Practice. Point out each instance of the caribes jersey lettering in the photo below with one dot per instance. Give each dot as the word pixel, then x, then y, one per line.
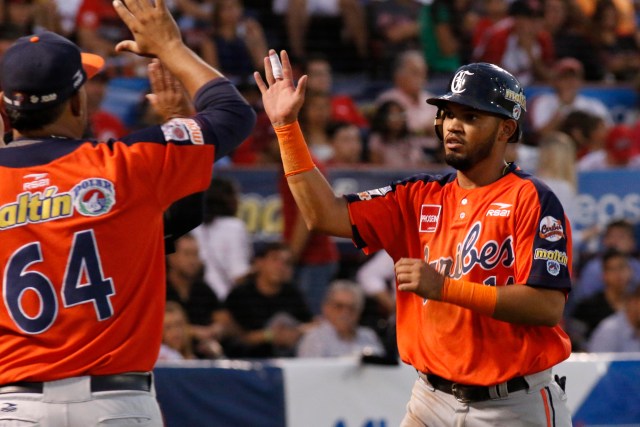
pixel 512 232
pixel 489 256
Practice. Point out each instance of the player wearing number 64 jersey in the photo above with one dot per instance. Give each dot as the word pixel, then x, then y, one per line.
pixel 81 225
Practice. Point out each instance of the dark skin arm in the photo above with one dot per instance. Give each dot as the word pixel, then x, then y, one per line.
pixel 516 303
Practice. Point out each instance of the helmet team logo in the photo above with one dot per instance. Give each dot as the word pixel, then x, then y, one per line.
pixel 517 111
pixel 551 229
pixel 457 84
pixel 94 196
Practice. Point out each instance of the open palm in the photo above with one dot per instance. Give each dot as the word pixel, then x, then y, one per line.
pixel 282 100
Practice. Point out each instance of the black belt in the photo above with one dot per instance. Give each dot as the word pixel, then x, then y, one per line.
pixel 473 393
pixel 131 381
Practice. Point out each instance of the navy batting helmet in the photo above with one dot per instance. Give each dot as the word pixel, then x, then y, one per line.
pixel 484 87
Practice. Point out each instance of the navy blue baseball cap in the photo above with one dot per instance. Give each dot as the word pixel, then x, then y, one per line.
pixel 44 70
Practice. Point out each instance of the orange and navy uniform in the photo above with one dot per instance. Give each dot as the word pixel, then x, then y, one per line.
pixel 512 232
pixel 82 254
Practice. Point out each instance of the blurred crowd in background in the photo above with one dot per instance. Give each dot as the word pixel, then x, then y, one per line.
pixel 371 66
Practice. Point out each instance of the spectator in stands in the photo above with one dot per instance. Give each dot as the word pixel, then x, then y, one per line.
pixel 409 80
pixel 587 131
pixel 346 141
pixel 626 24
pixel 568 27
pixel 262 11
pixel 446 30
pixel 520 44
pixel 619 52
pixel 298 15
pixel 266 315
pixel 314 255
pixel 176 336
pixel 315 117
pixel 377 278
pixel 394 28
pixel 225 246
pixel 557 168
pixel 320 79
pixel 99 28
pixel 19 16
pixel 619 332
pixel 194 20
pixel 390 142
pixel 619 148
pixel 618 235
pixel 261 147
pixel 186 287
pixel 240 44
pixel 338 333
pixel 103 124
pixel 66 12
pixel 548 110
pixel 491 12
pixel 588 313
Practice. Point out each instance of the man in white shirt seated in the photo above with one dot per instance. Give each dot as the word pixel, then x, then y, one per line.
pixel 338 333
pixel 619 332
pixel 548 110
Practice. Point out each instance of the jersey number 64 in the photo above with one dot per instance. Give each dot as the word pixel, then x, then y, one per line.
pixel 83 262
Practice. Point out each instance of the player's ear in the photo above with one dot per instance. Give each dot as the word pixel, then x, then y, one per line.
pixel 509 127
pixel 76 104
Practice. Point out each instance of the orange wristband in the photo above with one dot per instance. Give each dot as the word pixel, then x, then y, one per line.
pixel 474 296
pixel 293 149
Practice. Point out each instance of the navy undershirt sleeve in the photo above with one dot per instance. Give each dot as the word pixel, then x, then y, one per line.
pixel 224 113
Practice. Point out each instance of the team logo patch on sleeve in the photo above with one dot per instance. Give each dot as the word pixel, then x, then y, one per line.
pixel 182 130
pixel 429 218
pixel 94 196
pixel 551 229
pixel 368 195
pixel 553 268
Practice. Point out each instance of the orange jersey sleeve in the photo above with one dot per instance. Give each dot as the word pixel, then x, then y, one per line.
pixel 510 233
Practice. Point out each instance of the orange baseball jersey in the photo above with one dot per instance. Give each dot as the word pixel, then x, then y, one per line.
pixel 82 254
pixel 511 232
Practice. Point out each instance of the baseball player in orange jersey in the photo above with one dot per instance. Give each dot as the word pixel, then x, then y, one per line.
pixel 481 255
pixel 81 224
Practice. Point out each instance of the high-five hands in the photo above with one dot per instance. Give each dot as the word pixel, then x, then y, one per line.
pixel 153 28
pixel 168 98
pixel 282 100
pixel 415 275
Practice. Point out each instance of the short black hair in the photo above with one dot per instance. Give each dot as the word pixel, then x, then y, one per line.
pixel 221 199
pixel 621 224
pixel 335 126
pixel 36 119
pixel 613 253
pixel 265 249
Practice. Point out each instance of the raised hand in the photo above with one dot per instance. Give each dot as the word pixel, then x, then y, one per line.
pixel 168 98
pixel 282 100
pixel 153 28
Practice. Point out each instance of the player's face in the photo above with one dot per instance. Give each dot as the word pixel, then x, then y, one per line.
pixel 469 136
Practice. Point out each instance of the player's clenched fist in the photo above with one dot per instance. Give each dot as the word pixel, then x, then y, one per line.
pixel 414 275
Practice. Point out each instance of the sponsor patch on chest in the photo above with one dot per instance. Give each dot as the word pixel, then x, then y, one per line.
pixel 429 218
